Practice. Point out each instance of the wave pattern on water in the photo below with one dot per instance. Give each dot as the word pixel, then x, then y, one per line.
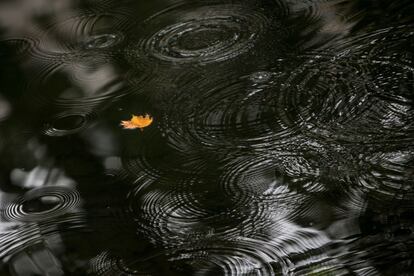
pixel 282 140
pixel 42 204
pixel 199 35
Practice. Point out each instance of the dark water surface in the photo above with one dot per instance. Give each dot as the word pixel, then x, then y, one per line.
pixel 282 140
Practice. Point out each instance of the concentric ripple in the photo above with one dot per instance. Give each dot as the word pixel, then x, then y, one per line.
pixel 84 32
pixel 43 203
pixel 76 83
pixel 389 175
pixel 15 49
pixel 258 256
pixel 206 34
pixel 243 257
pixel 261 180
pixel 383 63
pixel 267 109
pixel 232 112
pixel 245 201
pixel 182 211
pixel 105 264
pixel 220 234
pixel 67 123
pixel 13 240
pixel 349 96
pixel 74 62
pixel 102 41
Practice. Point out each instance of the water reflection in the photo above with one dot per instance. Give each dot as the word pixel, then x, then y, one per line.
pixel 281 138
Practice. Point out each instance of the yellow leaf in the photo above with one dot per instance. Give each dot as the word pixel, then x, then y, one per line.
pixel 137 122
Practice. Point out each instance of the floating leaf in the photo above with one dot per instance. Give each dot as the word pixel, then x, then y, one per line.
pixel 137 121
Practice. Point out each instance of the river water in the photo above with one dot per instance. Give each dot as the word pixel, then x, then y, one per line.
pixel 270 137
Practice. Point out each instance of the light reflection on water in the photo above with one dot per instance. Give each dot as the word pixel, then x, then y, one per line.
pixel 281 140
